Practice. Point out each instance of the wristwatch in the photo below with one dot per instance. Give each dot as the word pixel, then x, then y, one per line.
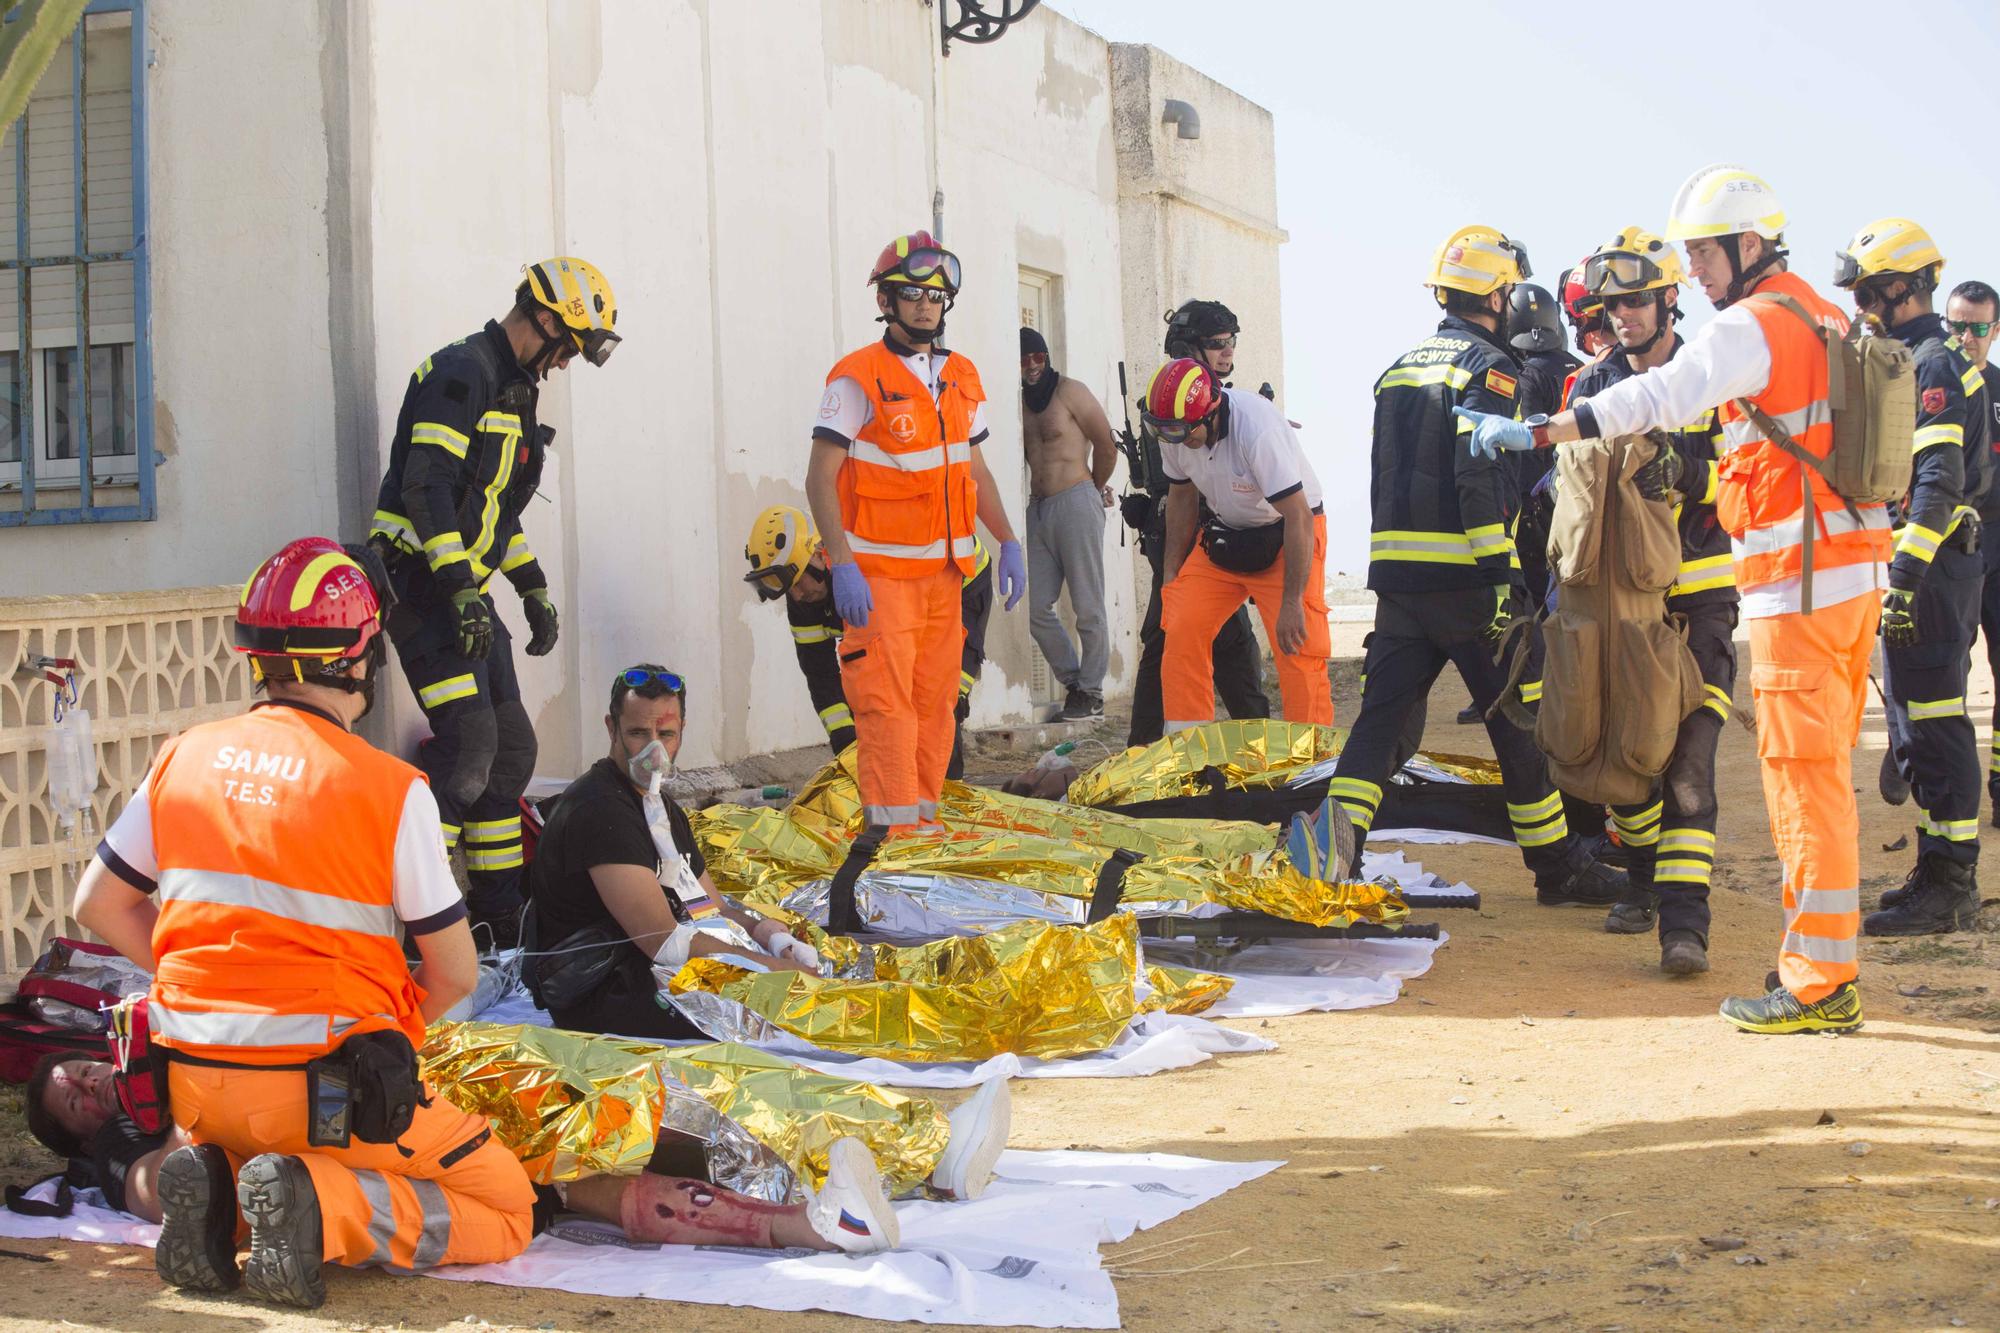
pixel 1539 425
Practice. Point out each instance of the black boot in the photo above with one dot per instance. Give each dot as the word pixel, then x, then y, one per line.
pixel 1635 913
pixel 1580 880
pixel 1898 896
pixel 1682 954
pixel 1470 716
pixel 197 1245
pixel 1941 897
pixel 282 1207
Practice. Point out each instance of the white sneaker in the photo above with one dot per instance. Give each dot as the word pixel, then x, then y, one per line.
pixel 851 1211
pixel 979 1128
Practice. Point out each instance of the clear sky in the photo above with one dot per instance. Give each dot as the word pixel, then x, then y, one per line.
pixel 1559 123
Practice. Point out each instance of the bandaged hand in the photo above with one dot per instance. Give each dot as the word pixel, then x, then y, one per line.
pixel 784 944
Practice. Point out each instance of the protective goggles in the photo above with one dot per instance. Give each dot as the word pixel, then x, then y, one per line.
pixel 935 295
pixel 597 345
pixel 1621 271
pixel 1978 328
pixel 637 678
pixel 1846 269
pixel 772 582
pixel 1171 432
pixel 924 264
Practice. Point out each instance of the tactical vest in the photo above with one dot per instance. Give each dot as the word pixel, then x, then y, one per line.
pixel 1617 678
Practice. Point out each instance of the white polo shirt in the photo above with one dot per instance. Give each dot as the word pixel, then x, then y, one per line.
pixel 844 409
pixel 1242 475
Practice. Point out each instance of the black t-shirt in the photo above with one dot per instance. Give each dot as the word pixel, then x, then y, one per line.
pixel 114 1150
pixel 598 821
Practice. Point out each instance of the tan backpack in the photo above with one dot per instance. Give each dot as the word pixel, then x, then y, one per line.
pixel 1617 676
pixel 1871 385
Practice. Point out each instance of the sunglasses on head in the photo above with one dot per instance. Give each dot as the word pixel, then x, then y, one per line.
pixel 638 677
pixel 931 294
pixel 1978 328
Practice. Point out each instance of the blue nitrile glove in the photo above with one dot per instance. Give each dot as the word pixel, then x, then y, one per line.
pixel 851 596
pixel 1013 573
pixel 1492 432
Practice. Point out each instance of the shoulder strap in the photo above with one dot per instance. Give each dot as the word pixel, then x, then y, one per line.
pixel 1791 303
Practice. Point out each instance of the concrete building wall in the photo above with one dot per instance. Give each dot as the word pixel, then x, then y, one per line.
pixel 734 169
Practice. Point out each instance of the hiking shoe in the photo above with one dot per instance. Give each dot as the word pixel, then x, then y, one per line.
pixel 1322 844
pixel 286 1250
pixel 197 1246
pixel 1470 716
pixel 1890 780
pixel 1627 917
pixel 1783 1012
pixel 1081 705
pixel 979 1126
pixel 851 1210
pixel 1682 954
pixel 1939 897
pixel 1583 881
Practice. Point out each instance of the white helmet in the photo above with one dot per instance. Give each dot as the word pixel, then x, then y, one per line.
pixel 1725 200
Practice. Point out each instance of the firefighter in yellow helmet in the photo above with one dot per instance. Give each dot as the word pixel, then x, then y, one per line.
pixel 466 456
pixel 1930 615
pixel 1443 567
pixel 787 559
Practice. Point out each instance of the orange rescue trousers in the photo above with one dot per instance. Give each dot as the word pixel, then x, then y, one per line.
pixel 900 675
pixel 458 1198
pixel 1203 596
pixel 1810 677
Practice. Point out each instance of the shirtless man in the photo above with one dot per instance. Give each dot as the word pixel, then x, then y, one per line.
pixel 1070 452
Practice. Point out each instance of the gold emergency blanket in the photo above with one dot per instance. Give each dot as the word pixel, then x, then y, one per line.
pixel 1031 989
pixel 571 1104
pixel 1049 852
pixel 1253 754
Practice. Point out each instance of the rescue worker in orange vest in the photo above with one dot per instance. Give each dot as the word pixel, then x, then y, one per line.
pixel 263 874
pixel 895 481
pixel 1809 671
pixel 1892 267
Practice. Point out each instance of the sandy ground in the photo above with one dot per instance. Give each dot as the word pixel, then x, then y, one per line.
pixel 1543 1133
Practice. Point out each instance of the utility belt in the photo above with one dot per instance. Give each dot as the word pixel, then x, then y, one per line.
pixel 368 1088
pixel 1243 550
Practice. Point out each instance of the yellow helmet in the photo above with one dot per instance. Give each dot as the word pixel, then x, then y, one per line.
pixel 581 299
pixel 782 540
pixel 1634 260
pixel 1888 245
pixel 1478 260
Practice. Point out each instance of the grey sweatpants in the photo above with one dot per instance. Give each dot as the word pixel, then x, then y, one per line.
pixel 1066 543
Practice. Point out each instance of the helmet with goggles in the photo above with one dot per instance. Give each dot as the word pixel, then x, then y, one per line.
pixel 916 260
pixel 581 299
pixel 1632 261
pixel 1889 248
pixel 1479 261
pixel 1183 394
pixel 312 611
pixel 782 541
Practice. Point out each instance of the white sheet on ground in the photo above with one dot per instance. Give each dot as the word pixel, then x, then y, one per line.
pixel 1433 835
pixel 1411 875
pixel 1024 1253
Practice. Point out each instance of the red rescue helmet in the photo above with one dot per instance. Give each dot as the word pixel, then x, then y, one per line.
pixel 1583 307
pixel 1182 395
pixel 918 261
pixel 313 602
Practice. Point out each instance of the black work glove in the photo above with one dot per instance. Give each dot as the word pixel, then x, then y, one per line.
pixel 542 624
pixel 475 624
pixel 1899 618
pixel 1661 475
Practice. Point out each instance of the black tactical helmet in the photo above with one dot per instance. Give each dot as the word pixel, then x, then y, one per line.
pixel 1534 321
pixel 1196 320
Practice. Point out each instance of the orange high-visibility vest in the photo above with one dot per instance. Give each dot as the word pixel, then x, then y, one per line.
pixel 275 834
pixel 907 498
pixel 1757 497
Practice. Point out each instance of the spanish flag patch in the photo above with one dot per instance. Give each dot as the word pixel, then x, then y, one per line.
pixel 1500 384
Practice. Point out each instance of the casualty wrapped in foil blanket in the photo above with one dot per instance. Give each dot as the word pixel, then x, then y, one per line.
pixel 1031 989
pixel 1250 754
pixel 571 1104
pixel 1001 858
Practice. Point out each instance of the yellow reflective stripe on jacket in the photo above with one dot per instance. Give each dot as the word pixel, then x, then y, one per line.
pixel 966 680
pixel 1714 475
pixel 1717 703
pixel 444 549
pixel 500 423
pixel 444 437
pixel 1919 541
pixel 1488 540
pixel 835 716
pixel 981 558
pixel 518 553
pixel 1419 377
pixel 812 633
pixel 489 509
pixel 1970 379
pixel 396 528
pixel 1437 548
pixel 1709 572
pixel 1938 432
